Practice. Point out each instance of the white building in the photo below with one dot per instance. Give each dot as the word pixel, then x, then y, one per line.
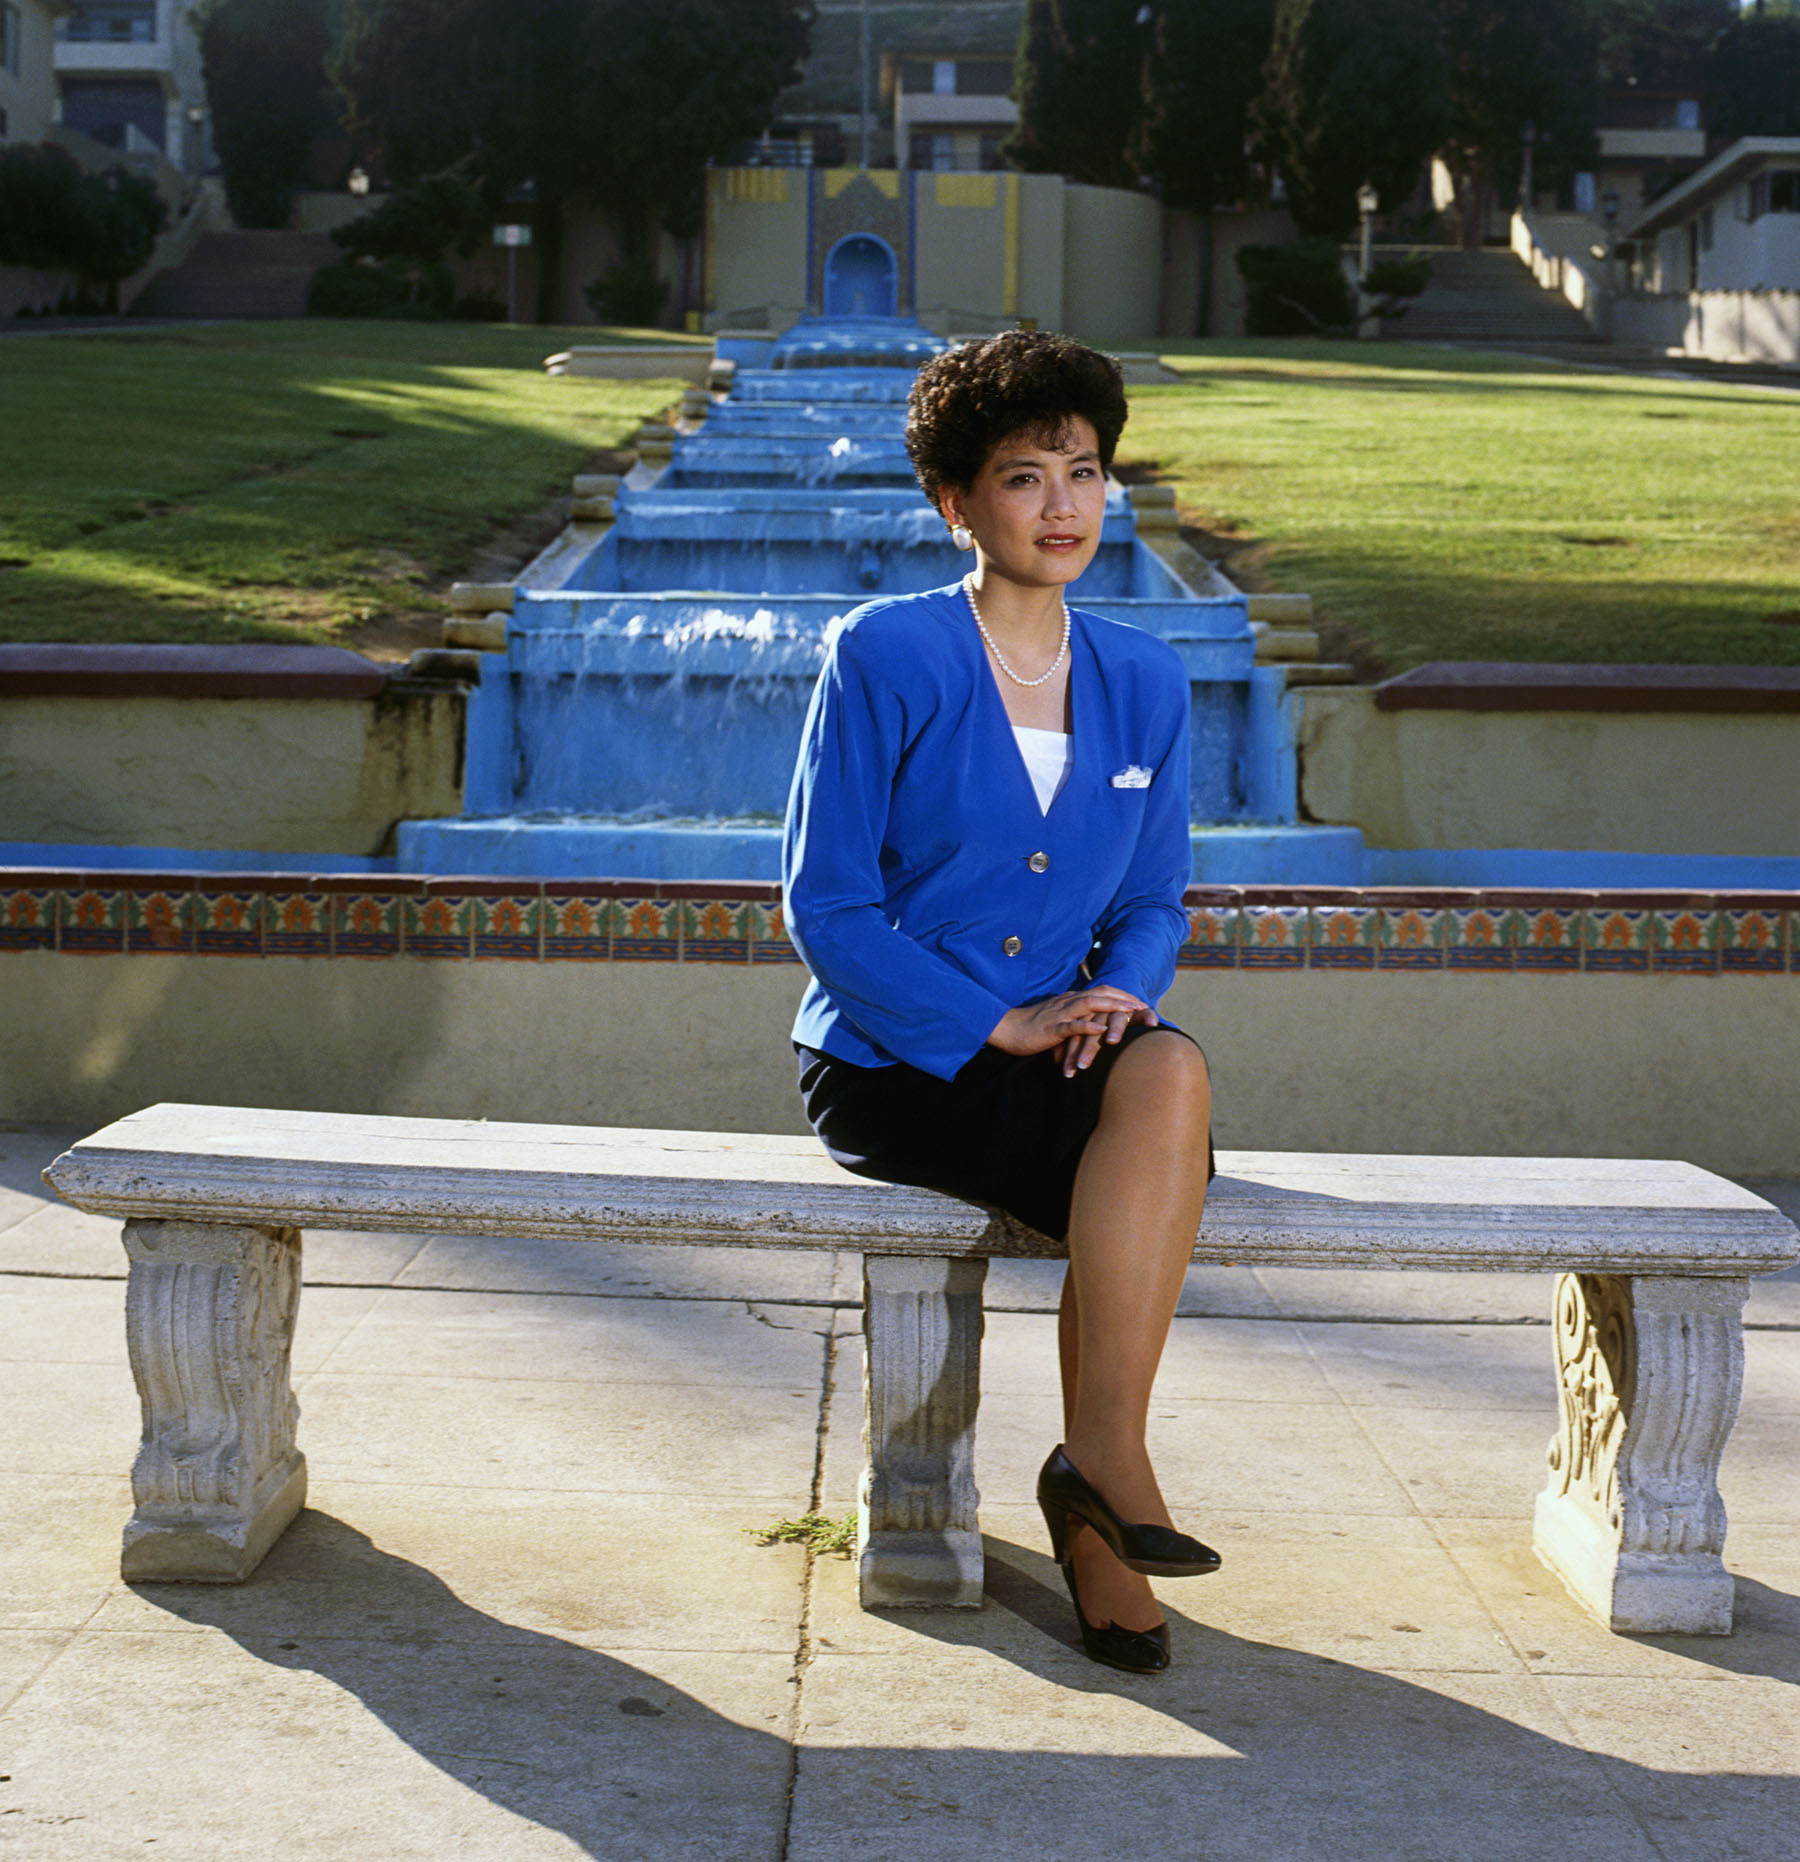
pixel 27 69
pixel 128 76
pixel 1715 262
pixel 1734 225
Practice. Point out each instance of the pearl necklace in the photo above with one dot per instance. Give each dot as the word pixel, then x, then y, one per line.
pixel 993 645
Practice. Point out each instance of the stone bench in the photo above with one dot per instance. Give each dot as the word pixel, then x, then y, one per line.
pixel 1654 1259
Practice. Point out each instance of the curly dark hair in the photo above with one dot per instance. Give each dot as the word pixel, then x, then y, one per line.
pixel 968 399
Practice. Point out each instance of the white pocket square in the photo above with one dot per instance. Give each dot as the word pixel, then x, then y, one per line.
pixel 1133 776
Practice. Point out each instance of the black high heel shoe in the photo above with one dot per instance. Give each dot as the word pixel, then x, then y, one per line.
pixel 1137 1651
pixel 1156 1551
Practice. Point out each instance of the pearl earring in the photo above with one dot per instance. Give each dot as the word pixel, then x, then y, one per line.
pixel 962 536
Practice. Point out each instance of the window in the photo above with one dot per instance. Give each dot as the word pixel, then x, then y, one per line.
pixel 9 42
pixel 1706 230
pixel 984 77
pixel 1687 113
pixel 943 77
pixel 1776 190
pixel 991 140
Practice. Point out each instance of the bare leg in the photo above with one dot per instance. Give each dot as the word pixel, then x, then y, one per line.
pixel 1137 1205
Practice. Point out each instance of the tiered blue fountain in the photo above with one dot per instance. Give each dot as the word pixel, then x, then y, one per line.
pixel 646 722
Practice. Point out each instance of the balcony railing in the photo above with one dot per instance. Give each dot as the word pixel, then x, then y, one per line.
pixel 136 26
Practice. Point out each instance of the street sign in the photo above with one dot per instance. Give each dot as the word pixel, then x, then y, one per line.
pixel 512 235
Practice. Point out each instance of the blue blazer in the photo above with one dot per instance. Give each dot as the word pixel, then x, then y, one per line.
pixel 924 887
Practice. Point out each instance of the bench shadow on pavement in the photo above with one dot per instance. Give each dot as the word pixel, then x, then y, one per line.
pixel 1262 1750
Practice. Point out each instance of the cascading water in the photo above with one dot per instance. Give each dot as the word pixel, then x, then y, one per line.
pixel 644 719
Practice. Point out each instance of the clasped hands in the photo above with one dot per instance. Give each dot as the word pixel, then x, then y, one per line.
pixel 1073 1024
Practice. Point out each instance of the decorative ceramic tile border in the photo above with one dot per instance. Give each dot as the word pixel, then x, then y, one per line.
pixel 379 916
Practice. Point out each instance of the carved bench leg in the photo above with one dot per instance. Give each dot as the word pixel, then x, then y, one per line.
pixel 209 1317
pixel 1650 1370
pixel 918 1542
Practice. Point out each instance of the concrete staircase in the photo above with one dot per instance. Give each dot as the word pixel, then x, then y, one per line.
pixel 240 274
pixel 1487 296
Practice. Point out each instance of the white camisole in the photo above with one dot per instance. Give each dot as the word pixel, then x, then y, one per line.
pixel 1048 756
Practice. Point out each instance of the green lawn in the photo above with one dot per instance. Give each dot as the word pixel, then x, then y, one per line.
pixel 1457 506
pixel 316 480
pixel 325 481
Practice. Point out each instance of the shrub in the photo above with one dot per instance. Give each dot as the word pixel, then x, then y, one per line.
pixel 628 291
pixel 1405 277
pixel 395 264
pixel 356 288
pixel 53 217
pixel 1298 289
pixel 478 307
pixel 419 223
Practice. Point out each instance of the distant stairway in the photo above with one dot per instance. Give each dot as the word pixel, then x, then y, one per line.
pixel 1486 297
pixel 243 274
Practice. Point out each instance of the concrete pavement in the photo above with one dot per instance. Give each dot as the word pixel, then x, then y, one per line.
pixel 521 1617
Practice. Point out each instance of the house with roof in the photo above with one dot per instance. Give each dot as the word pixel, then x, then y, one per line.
pixel 1714 263
pixel 1647 137
pixel 951 111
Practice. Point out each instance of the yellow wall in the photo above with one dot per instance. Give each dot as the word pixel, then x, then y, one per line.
pixel 755 247
pixel 989 248
pixel 961 265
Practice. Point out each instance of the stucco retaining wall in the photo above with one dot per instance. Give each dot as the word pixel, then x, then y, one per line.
pixel 288 775
pixel 1626 781
pixel 1557 1024
pixel 1726 326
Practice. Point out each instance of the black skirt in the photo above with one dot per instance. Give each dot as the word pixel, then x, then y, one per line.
pixel 1007 1131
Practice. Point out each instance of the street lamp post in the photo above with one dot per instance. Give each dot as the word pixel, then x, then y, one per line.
pixel 1528 136
pixel 1367 203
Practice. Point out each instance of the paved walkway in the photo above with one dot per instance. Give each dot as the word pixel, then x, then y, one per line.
pixel 521 1618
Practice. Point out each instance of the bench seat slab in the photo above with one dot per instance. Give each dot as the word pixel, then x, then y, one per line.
pixel 918 1539
pixel 1650 1370
pixel 209 1316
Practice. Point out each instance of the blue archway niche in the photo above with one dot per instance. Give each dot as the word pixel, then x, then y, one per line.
pixel 862 278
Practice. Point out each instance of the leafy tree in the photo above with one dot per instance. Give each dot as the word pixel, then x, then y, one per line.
pixel 1756 74
pixel 621 102
pixel 1355 93
pixel 1203 74
pixel 264 62
pixel 1660 44
pixel 1079 83
pixel 1508 63
pixel 679 84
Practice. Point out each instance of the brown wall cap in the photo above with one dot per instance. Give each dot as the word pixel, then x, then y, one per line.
pixel 1483 685
pixel 54 670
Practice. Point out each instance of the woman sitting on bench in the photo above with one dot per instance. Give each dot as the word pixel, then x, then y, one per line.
pixel 987 846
